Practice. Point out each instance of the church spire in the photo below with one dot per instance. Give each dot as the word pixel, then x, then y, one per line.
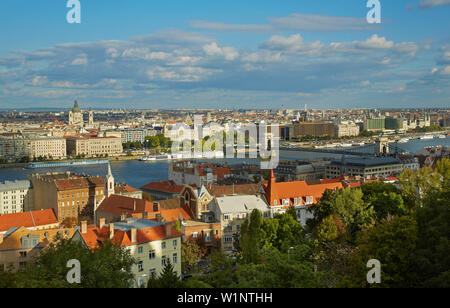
pixel 109 182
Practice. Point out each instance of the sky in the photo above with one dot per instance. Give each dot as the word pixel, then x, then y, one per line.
pixel 248 54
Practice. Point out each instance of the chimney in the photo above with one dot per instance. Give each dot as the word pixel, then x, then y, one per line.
pixel 168 229
pixel 133 235
pixel 102 222
pixel 111 231
pixel 84 227
pixel 159 217
pixel 155 206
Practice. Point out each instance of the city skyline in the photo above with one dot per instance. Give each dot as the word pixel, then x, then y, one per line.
pixel 176 55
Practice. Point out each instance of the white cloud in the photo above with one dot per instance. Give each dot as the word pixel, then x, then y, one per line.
pixel 80 60
pixel 293 22
pixel 446 70
pixel 228 53
pixel 427 4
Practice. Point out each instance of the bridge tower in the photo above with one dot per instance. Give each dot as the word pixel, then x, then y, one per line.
pixel 381 146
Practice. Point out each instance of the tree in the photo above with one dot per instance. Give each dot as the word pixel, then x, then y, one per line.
pixel 392 242
pixel 108 266
pixel 251 237
pixel 167 279
pixel 295 269
pixel 431 258
pixel 348 205
pixel 417 184
pixel 177 226
pixel 223 271
pixel 190 254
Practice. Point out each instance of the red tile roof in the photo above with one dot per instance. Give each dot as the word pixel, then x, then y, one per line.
pixel 118 205
pixel 297 189
pixel 28 219
pixel 95 236
pixel 167 186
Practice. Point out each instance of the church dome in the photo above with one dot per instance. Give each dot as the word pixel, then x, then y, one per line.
pixel 76 108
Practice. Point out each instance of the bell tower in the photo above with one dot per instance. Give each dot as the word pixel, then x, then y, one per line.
pixel 109 183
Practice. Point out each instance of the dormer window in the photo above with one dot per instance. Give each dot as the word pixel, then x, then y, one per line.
pixel 274 202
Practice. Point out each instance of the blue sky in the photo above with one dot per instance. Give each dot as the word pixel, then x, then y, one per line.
pixel 225 54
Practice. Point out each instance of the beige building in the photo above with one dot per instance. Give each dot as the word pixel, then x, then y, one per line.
pixel 14 147
pixel 94 146
pixel 232 211
pixel 346 129
pixel 15 197
pixel 50 147
pixel 21 246
pixel 151 243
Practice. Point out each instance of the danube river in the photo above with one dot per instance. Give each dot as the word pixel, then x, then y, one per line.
pixel 137 173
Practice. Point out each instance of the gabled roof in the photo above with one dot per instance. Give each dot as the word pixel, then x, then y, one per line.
pixel 297 189
pixel 27 219
pixel 118 205
pixel 167 186
pixel 14 240
pixel 238 189
pixel 94 236
pixel 241 204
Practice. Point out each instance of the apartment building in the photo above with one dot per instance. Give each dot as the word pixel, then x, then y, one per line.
pixel 31 148
pixel 346 129
pixel 298 194
pixel 91 146
pixel 15 197
pixel 14 147
pixel 315 129
pixel 365 167
pixel 50 147
pixel 150 242
pixel 20 245
pixel 232 211
pixel 69 195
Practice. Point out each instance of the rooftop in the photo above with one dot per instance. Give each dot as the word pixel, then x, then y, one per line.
pixel 27 219
pixel 368 161
pixel 16 185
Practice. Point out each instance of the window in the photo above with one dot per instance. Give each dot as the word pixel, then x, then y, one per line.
pixel 228 239
pixel 163 245
pixel 208 237
pixel 23 254
pixel 140 249
pixel 194 234
pixel 163 260
pixel 175 242
pixel 152 273
pixel 175 257
pixel 227 217
pixel 140 266
pixel 151 254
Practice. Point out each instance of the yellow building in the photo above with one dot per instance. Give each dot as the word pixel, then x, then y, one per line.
pixel 94 146
pixel 20 246
pixel 151 244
